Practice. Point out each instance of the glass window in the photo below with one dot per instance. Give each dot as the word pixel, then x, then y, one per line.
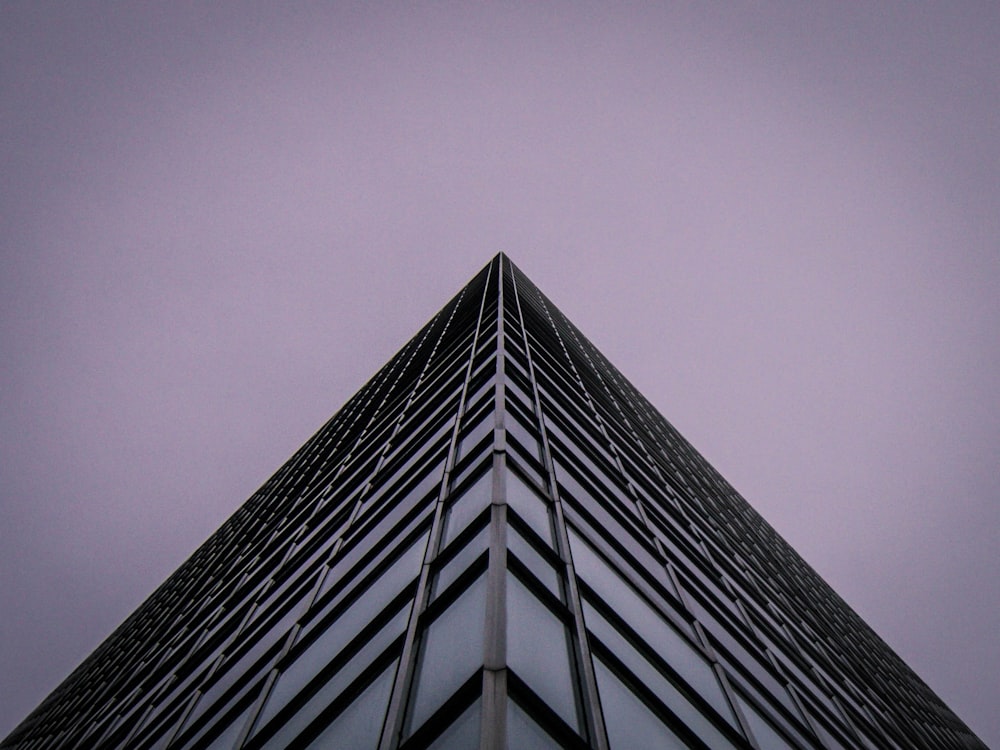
pixel 514 390
pixel 471 437
pixel 358 559
pixel 538 650
pixel 360 724
pixel 227 738
pixel 463 733
pixel 221 696
pixel 452 650
pixel 466 507
pixel 373 506
pixel 522 435
pixel 767 736
pixel 606 512
pixel 375 594
pixel 630 723
pixel 534 561
pixel 644 670
pixel 328 644
pixel 458 564
pixel 660 635
pixel 529 506
pixel 326 693
pixel 523 733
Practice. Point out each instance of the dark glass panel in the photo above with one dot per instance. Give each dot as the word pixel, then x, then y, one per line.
pixel 374 594
pixel 474 435
pixel 227 738
pixel 525 437
pixel 658 634
pixel 322 651
pixel 766 734
pixel 533 560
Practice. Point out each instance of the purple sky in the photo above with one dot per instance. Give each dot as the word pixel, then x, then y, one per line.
pixel 781 223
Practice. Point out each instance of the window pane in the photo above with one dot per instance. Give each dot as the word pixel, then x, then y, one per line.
pixel 376 595
pixel 534 561
pixel 472 437
pixel 461 561
pixel 227 738
pixel 466 507
pixel 325 648
pixel 336 684
pixel 659 634
pixel 521 434
pixel 529 506
pixel 538 650
pixel 630 723
pixel 523 733
pixel 463 734
pixel 656 681
pixel 767 736
pixel 452 650
pixel 360 724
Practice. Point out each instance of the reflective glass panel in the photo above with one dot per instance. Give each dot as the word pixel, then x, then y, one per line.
pixel 523 733
pixel 529 506
pixel 630 723
pixel 461 561
pixel 452 650
pixel 659 634
pixel 538 650
pixel 472 438
pixel 767 736
pixel 467 506
pixel 336 684
pixel 656 681
pixel 227 738
pixel 534 561
pixel 463 734
pixel 375 595
pixel 358 727
pixel 522 435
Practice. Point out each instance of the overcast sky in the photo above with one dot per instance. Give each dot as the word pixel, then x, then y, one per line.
pixel 780 220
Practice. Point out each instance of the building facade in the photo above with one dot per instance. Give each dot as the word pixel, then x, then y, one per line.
pixel 497 542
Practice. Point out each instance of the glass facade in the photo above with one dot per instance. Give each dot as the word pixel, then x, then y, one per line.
pixel 497 542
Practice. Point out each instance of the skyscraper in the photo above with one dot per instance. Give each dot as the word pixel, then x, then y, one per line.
pixel 497 542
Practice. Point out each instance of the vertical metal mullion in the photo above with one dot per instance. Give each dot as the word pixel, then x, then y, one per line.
pixel 592 706
pixel 395 714
pixel 493 727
